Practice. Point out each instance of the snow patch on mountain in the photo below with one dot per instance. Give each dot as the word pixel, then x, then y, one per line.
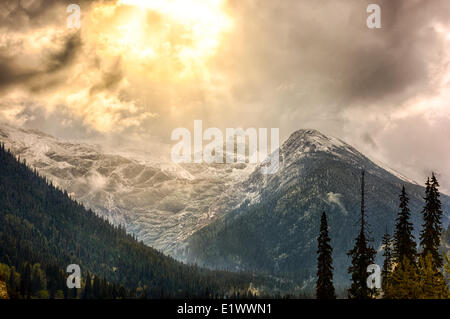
pixel 161 202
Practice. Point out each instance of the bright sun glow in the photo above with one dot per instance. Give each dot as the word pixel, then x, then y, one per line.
pixel 169 40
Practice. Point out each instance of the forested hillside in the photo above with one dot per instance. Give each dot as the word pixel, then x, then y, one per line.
pixel 42 230
pixel 276 228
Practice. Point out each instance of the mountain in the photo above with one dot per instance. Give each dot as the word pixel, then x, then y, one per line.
pixel 159 202
pixel 229 215
pixel 274 226
pixel 42 231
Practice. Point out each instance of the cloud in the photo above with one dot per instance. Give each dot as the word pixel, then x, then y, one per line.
pixel 45 65
pixel 325 51
pixel 335 198
pixel 287 64
pixel 110 78
pixel 12 73
pixel 66 55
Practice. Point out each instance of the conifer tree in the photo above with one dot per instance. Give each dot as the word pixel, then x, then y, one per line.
pixel 404 243
pixel 432 215
pixel 324 285
pixel 88 288
pixel 25 281
pixel 12 279
pixel 96 288
pixel 431 280
pixel 404 282
pixel 387 264
pixel 40 225
pixel 362 256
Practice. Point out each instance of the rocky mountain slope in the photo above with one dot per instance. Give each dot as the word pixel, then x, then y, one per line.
pixel 274 227
pixel 231 216
pixel 159 202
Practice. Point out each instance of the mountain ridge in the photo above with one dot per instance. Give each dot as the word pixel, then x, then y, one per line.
pixel 168 211
pixel 275 226
pixel 161 203
pixel 42 227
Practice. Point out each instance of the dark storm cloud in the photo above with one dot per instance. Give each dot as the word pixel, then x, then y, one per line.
pixel 399 56
pixel 322 51
pixel 65 55
pixel 327 50
pixel 289 64
pixel 23 14
pixel 27 16
pixel 110 78
pixel 12 73
pixel 316 64
pixel 17 13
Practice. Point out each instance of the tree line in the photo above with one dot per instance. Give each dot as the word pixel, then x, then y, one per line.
pixel 408 272
pixel 43 230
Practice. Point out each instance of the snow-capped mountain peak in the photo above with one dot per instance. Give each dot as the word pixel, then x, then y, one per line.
pixel 311 141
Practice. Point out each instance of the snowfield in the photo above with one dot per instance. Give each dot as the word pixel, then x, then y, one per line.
pixel 160 202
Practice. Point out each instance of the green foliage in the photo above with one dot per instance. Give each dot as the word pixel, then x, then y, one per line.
pixel 404 282
pixel 422 281
pixel 4 272
pixel 432 281
pixel 43 294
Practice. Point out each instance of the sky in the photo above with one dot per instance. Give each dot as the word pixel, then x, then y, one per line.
pixel 136 70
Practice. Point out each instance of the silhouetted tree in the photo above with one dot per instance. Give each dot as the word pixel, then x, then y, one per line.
pixel 404 243
pixel 324 285
pixel 432 214
pixel 88 294
pixel 387 264
pixel 362 256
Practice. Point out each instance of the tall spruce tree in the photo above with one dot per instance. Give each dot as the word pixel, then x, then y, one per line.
pixel 387 264
pixel 324 285
pixel 404 243
pixel 362 256
pixel 432 215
